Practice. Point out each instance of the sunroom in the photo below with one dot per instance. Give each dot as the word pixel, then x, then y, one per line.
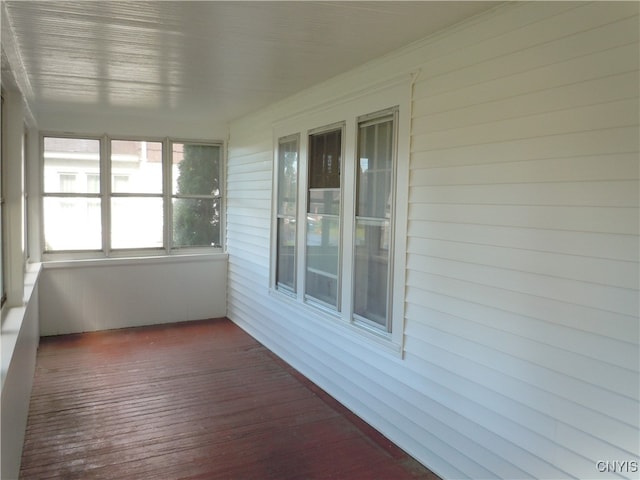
pixel 427 209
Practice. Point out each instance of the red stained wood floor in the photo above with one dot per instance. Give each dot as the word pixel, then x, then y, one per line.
pixel 196 400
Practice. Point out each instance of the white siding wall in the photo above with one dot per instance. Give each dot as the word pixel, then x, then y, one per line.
pixel 521 353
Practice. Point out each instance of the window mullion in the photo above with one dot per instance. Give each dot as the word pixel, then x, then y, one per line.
pixel 348 209
pixel 105 191
pixel 301 215
pixel 167 182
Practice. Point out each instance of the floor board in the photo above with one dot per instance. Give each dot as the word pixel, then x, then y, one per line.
pixel 197 400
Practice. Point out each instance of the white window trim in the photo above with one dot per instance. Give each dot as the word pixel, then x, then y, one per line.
pixel 105 196
pixel 381 97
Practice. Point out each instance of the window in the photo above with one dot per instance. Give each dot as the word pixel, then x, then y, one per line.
pixel 323 218
pixel 71 221
pixel 119 195
pixel 286 211
pixel 137 217
pixel 196 195
pixel 348 268
pixel 373 220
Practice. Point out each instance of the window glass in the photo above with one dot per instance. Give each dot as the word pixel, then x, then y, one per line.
pixel 72 217
pixel 137 216
pixel 136 222
pixel 287 209
pixel 374 170
pixel 195 169
pixel 136 167
pixel 68 159
pixel 373 219
pixel 196 222
pixel 196 193
pixel 323 242
pixel 324 201
pixel 93 182
pixel 371 270
pixel 288 177
pixel 325 151
pixel 323 218
pixel 285 270
pixel 72 223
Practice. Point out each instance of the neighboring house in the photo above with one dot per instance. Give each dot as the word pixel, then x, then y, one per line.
pixel 483 311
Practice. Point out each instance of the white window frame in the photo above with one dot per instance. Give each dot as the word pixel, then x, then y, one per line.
pixel 283 216
pixel 105 195
pixel 3 229
pixel 338 126
pixel 214 196
pixel 107 186
pixel 349 110
pixel 53 254
pixel 375 117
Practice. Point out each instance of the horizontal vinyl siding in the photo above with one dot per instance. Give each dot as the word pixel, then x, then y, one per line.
pixel 521 353
pixel 523 249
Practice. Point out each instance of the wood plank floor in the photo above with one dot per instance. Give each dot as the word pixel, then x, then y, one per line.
pixel 197 400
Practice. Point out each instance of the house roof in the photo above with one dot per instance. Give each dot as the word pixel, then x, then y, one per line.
pixel 199 61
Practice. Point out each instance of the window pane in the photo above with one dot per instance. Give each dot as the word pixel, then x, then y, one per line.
pixel 195 169
pixel 285 273
pixel 325 151
pixel 68 182
pixel 93 183
pixel 371 270
pixel 140 162
pixel 375 169
pixel 287 177
pixel 67 161
pixel 136 222
pixel 325 201
pixel 72 223
pixel 323 240
pixel 196 222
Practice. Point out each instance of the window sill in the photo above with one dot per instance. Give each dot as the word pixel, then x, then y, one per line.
pixel 13 317
pixel 139 260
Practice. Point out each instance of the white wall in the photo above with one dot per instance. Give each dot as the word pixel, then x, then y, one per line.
pixel 82 296
pixel 20 338
pixel 521 351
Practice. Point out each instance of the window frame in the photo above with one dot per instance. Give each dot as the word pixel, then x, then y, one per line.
pixel 219 197
pixel 3 226
pixel 83 253
pixel 292 291
pixel 319 303
pixel 107 177
pixel 375 119
pixel 105 195
pixel 374 100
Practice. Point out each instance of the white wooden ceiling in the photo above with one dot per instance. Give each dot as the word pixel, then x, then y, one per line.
pixel 197 60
